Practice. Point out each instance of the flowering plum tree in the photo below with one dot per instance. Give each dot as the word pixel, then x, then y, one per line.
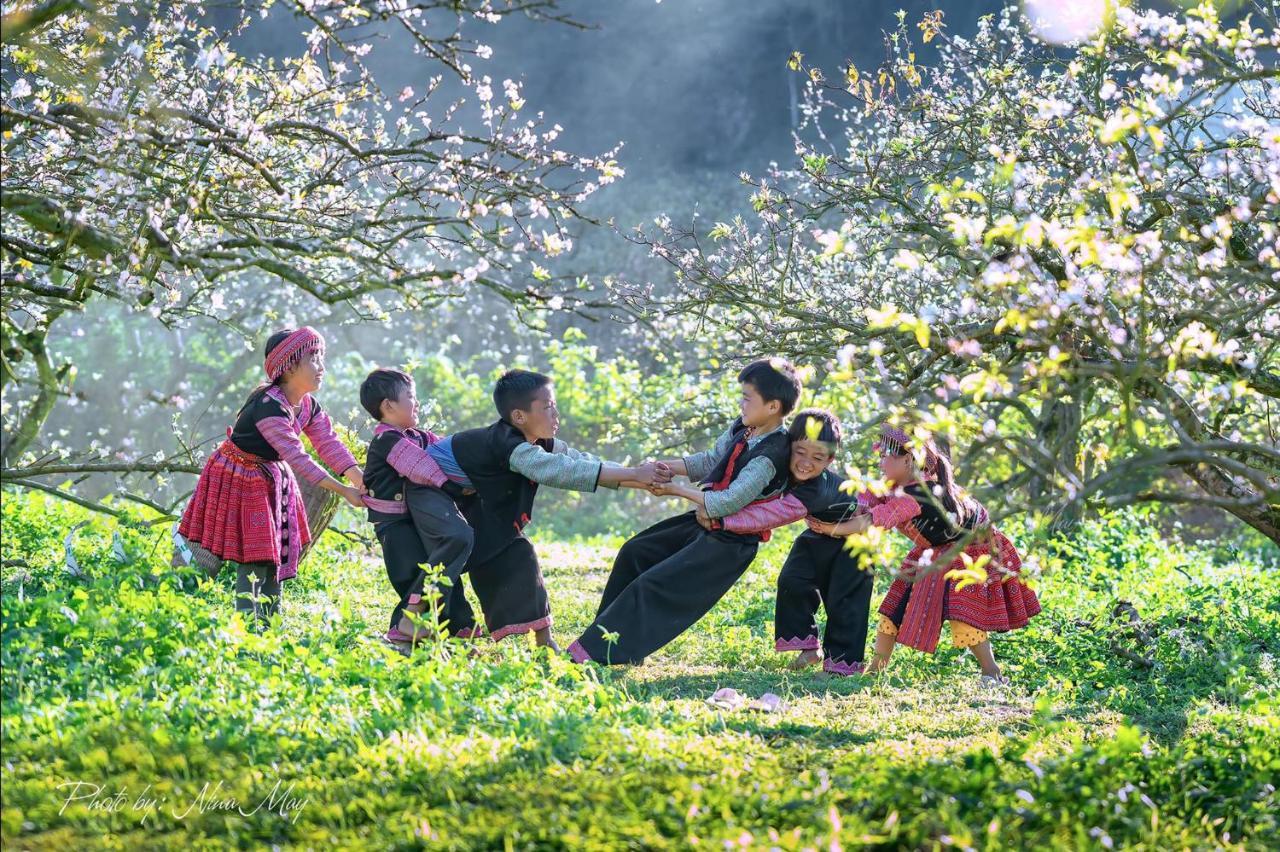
pixel 153 161
pixel 1066 257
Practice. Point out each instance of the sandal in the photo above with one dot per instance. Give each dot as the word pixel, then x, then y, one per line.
pixel 727 698
pixel 768 703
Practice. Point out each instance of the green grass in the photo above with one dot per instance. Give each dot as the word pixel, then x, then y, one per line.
pixel 149 684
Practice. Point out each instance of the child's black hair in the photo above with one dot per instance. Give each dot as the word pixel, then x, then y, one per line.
pixel 775 380
pixel 381 385
pixel 272 342
pixel 829 434
pixel 953 498
pixel 516 389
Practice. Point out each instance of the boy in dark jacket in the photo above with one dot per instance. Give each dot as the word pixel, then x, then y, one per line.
pixel 667 577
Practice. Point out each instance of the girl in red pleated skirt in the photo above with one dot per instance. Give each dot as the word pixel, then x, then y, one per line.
pixel 961 571
pixel 246 508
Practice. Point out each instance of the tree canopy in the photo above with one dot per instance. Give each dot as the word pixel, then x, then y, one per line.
pixel 1069 258
pixel 152 160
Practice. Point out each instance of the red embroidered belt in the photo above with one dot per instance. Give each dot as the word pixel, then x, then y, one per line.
pixel 231 451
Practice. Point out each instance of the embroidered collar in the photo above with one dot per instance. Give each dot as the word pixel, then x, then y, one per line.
pixel 294 411
pixel 384 428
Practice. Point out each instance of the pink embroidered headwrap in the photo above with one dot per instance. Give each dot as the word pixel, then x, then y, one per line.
pixel 301 344
pixel 894 441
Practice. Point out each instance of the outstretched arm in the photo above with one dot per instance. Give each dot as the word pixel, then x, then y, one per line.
pixel 320 432
pixel 748 486
pixel 856 524
pixel 416 464
pixel 278 432
pixel 698 465
pixel 578 471
pixel 692 493
pixel 886 512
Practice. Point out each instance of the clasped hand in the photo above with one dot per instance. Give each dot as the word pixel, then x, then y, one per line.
pixel 654 475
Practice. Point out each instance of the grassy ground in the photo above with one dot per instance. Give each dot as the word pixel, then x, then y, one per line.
pixel 117 683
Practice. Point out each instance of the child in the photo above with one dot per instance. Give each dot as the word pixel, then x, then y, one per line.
pixel 946 527
pixel 428 531
pixel 504 463
pixel 819 570
pixel 667 577
pixel 246 508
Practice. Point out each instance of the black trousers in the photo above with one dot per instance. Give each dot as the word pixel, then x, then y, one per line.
pixel 664 579
pixel 404 553
pixel 819 572
pixel 445 534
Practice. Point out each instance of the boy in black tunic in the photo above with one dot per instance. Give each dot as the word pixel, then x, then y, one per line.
pixel 667 577
pixel 428 530
pixel 504 463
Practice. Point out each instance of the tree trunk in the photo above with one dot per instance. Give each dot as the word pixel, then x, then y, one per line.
pixel 49 380
pixel 321 506
pixel 1261 515
pixel 1058 431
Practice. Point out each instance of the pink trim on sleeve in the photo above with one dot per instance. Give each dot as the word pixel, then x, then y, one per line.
pixel 894 512
pixel 415 464
pixel 280 434
pixel 319 430
pixel 765 515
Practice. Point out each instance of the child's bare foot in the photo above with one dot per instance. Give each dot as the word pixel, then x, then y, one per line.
pixel 804 659
pixel 414 630
pixel 885 644
pixel 543 637
pixel 875 667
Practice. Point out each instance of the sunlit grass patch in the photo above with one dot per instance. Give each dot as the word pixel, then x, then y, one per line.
pixel 137 683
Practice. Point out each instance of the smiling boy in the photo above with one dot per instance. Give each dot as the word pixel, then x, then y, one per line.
pixel 819 570
pixel 426 528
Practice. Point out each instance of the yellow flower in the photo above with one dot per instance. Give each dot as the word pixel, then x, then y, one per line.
pixel 973 573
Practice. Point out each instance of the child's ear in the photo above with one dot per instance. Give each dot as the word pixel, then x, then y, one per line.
pixel 517 417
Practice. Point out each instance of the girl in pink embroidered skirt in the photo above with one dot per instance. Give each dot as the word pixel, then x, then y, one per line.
pixel 246 508
pixel 961 570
